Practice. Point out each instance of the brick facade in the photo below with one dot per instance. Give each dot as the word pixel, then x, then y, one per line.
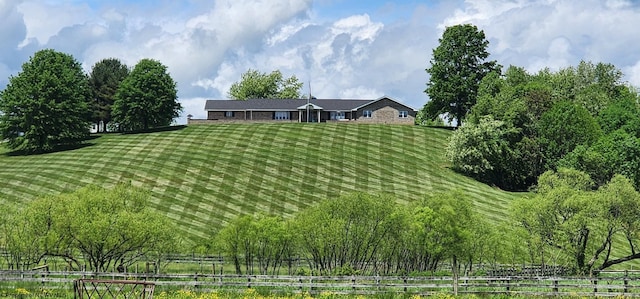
pixel 386 111
pixel 382 111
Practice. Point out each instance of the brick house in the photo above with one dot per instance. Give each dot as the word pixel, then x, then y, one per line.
pixel 383 110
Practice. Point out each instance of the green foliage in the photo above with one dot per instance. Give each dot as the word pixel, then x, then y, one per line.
pixel 346 232
pixel 198 168
pixel 482 150
pixel 444 226
pixel 549 115
pixel 45 105
pixel 564 127
pixel 569 216
pixel 24 236
pixel 623 113
pixel 266 240
pixel 146 98
pixel 457 67
pixel 105 227
pixel 615 153
pixel 104 80
pixel 423 120
pixel 596 85
pixel 257 85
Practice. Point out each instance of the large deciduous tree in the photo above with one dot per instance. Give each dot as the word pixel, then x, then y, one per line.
pixel 146 99
pixel 257 85
pixel 45 105
pixel 564 127
pixel 104 80
pixel 586 225
pixel 457 67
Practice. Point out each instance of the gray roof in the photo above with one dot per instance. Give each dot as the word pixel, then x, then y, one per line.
pixel 284 105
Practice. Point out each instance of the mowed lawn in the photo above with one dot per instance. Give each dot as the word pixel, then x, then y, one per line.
pixel 206 175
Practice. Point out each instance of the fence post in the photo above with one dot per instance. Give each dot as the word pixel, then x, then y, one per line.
pixel 595 285
pixel 404 279
pixel 300 282
pixel 555 286
pixel 248 281
pixel 626 281
pixel 353 283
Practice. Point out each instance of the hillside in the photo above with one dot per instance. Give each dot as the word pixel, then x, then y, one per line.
pixel 202 176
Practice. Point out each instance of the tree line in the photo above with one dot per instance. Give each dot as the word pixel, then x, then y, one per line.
pixel 92 228
pixel 514 126
pixel 566 223
pixel 51 103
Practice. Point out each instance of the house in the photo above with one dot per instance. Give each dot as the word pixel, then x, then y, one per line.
pixel 384 110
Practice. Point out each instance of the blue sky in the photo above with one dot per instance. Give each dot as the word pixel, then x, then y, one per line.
pixel 347 49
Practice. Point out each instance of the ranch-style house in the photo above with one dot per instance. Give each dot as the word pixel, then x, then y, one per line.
pixel 384 110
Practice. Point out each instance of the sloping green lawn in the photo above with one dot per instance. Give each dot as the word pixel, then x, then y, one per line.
pixel 203 176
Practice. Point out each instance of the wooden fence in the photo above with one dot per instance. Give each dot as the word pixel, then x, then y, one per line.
pixel 624 285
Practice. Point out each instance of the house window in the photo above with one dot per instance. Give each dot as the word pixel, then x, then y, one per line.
pixel 366 113
pixel 228 114
pixel 403 114
pixel 336 115
pixel 281 115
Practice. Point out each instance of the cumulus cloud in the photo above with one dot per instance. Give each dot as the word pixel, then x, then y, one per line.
pixel 207 45
pixel 555 34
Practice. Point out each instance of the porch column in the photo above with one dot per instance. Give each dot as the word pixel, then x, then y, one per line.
pixel 299 116
pixel 318 115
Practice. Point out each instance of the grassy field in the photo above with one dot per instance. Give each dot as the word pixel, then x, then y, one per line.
pixel 203 176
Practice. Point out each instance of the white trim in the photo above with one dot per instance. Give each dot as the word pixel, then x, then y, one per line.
pixel 382 98
pixel 311 106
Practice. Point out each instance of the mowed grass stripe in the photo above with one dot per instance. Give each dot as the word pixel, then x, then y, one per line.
pixel 202 177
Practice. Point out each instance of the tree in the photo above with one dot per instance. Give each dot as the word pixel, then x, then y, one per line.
pixel 623 113
pixel 564 127
pixel 257 85
pixel 264 239
pixel 568 215
pixel 147 98
pixel 615 153
pixel 104 80
pixel 25 234
pixel 46 105
pixel 482 151
pixel 457 67
pixel 112 227
pixel 344 235
pixel 102 227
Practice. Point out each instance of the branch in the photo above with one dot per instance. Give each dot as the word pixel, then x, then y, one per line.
pixel 633 248
pixel 601 249
pixel 608 264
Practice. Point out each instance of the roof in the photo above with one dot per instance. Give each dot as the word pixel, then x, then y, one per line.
pixel 287 104
pixel 281 104
pixel 382 98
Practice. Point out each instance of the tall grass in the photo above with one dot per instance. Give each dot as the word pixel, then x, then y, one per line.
pixel 204 176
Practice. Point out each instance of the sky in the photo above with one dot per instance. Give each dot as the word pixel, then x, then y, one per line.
pixel 339 48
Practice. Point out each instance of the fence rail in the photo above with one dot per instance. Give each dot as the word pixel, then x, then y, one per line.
pixel 599 286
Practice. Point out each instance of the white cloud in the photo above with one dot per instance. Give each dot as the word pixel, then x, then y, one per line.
pixel 41 25
pixel 633 73
pixel 208 45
